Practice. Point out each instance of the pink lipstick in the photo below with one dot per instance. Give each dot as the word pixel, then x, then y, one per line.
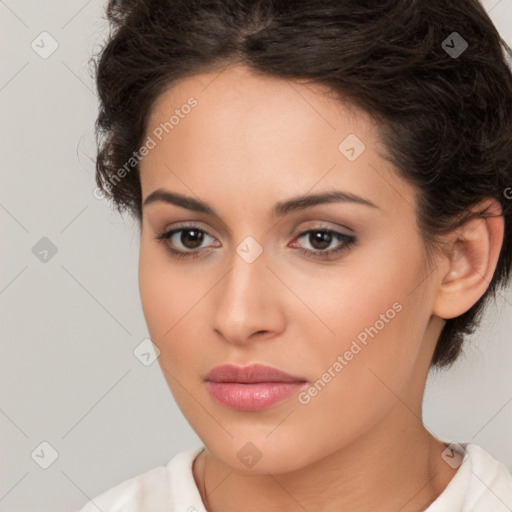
pixel 253 387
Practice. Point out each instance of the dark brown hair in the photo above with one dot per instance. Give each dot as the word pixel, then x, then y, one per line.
pixel 444 109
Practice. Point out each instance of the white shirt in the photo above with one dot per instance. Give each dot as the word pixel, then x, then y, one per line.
pixel 481 484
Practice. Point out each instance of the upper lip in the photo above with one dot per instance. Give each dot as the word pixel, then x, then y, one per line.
pixel 252 373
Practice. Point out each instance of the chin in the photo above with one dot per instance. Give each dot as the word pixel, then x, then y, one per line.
pixel 262 456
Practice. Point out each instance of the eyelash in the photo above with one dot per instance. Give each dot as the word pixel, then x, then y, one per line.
pixel 347 240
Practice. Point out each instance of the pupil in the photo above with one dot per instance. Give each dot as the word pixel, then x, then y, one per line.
pixel 321 236
pixel 196 238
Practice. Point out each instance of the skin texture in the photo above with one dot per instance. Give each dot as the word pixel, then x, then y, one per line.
pixel 360 443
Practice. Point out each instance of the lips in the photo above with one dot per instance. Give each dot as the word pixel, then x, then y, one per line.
pixel 251 388
pixel 254 373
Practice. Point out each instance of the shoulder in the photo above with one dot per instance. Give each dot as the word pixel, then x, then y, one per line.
pixel 491 481
pixel 152 491
pixel 481 484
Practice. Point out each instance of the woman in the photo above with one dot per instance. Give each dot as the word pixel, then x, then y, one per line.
pixel 321 189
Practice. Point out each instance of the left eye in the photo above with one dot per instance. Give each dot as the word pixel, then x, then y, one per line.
pixel 192 238
pixel 321 239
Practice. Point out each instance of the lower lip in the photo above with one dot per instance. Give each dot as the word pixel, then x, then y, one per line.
pixel 252 397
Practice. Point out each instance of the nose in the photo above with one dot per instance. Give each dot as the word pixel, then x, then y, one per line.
pixel 246 304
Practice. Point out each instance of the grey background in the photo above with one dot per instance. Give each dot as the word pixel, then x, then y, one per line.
pixel 70 325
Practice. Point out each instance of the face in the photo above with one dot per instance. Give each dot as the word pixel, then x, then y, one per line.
pixel 334 293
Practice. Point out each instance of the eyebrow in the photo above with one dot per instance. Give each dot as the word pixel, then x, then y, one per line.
pixel 280 209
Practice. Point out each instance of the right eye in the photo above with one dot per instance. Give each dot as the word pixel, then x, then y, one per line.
pixel 190 237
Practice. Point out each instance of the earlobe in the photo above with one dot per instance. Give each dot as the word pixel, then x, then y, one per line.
pixel 468 264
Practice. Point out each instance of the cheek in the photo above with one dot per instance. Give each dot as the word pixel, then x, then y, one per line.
pixel 163 295
pixel 350 298
pixel 172 303
pixel 166 292
pixel 158 301
pixel 358 374
pixel 374 315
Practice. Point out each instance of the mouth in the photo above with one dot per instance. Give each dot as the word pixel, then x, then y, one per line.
pixel 251 388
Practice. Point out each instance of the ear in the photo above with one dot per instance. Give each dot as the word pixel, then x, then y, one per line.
pixel 467 264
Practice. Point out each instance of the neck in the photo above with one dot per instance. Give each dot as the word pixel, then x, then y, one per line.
pixel 381 471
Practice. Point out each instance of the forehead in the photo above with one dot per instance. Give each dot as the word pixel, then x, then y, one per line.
pixel 238 95
pixel 248 132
